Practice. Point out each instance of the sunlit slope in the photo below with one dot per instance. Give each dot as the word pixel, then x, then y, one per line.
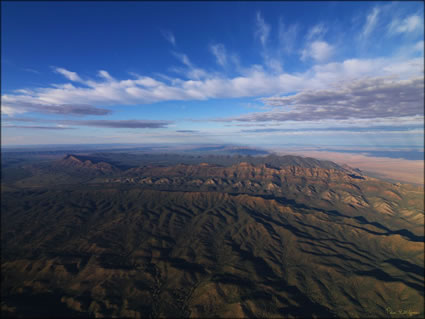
pixel 128 251
pixel 342 190
pixel 307 181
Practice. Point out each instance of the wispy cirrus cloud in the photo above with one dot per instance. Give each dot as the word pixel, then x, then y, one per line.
pixel 271 58
pixel 183 58
pixel 316 32
pixel 169 36
pixel 287 36
pixel 219 51
pixel 263 29
pixel 191 71
pixel 371 22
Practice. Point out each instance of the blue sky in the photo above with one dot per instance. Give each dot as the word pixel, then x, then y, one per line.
pixel 273 73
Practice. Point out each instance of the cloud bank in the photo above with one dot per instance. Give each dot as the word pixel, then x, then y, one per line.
pixel 90 96
pixel 366 98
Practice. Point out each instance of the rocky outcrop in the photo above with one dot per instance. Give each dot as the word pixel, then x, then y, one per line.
pixel 73 162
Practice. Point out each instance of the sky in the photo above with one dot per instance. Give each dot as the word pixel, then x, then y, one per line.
pixel 250 73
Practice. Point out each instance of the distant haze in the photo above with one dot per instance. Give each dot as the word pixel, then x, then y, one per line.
pixel 398 169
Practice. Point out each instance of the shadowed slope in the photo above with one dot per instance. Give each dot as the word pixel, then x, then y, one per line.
pixel 220 253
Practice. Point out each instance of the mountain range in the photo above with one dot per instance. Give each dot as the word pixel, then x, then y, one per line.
pixel 120 235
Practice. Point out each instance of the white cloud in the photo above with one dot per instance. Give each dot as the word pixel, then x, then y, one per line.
pixel 350 69
pixel 23 91
pixel 191 71
pixel 409 24
pixel 318 50
pixel 317 32
pixel 219 51
pixel 270 57
pixel 371 22
pixel 183 58
pixel 274 64
pixel 407 68
pixel 104 74
pixel 263 29
pixel 143 81
pixel 72 76
pixel 11 110
pixel 197 84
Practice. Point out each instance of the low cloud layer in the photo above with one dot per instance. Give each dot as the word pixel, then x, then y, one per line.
pixel 21 104
pixel 337 129
pixel 64 124
pixel 187 131
pixel 133 124
pixel 368 98
pixel 37 127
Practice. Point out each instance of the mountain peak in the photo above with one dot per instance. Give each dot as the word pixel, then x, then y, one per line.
pixel 73 158
pixel 85 162
pixel 244 164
